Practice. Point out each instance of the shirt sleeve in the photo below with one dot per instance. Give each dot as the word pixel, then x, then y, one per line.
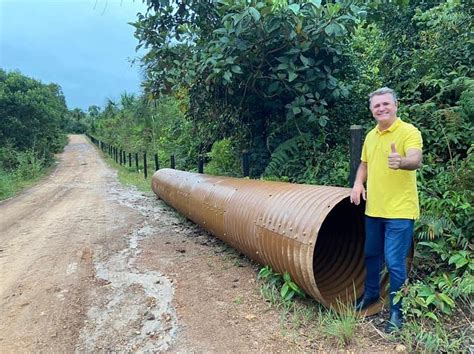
pixel 414 140
pixel 363 156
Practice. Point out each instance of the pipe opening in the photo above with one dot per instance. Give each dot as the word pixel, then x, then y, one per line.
pixel 338 262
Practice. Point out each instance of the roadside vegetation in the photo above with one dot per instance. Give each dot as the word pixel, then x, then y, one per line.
pixel 34 123
pixel 33 118
pixel 129 176
pixel 344 328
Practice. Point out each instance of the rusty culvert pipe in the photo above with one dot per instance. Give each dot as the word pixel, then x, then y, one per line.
pixel 312 232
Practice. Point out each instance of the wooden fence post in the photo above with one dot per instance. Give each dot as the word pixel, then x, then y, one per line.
pixel 145 169
pixel 136 162
pixel 157 165
pixel 355 151
pixel 201 165
pixel 245 163
pixel 172 162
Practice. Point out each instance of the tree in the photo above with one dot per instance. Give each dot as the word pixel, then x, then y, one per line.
pixel 260 71
pixel 32 115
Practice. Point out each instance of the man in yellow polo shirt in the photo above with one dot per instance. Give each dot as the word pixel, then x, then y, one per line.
pixel 390 156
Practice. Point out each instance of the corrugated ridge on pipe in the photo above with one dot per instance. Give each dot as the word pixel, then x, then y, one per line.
pixel 312 232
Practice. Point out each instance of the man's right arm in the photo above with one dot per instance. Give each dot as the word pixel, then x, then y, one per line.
pixel 358 189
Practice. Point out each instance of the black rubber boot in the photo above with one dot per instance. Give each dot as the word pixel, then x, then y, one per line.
pixel 363 303
pixel 395 322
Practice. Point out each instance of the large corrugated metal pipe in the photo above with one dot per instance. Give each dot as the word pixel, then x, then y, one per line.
pixel 312 232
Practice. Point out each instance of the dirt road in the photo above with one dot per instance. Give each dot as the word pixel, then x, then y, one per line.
pixel 87 264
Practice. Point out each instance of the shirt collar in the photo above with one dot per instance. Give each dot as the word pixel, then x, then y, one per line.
pixel 394 126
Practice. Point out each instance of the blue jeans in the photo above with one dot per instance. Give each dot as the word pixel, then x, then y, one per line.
pixel 390 239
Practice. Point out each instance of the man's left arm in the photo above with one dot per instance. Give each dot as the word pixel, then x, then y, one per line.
pixel 412 160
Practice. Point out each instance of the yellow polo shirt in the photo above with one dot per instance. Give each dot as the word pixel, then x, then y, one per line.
pixel 391 194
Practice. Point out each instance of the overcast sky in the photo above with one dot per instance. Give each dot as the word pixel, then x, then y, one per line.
pixel 85 46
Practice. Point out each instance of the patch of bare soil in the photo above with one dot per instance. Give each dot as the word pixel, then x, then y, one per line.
pixel 90 265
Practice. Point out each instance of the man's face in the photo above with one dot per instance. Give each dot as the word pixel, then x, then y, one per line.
pixel 384 109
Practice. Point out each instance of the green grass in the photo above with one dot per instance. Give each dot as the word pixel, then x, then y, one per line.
pixel 307 316
pixel 129 176
pixel 11 184
pixel 435 338
pixel 271 294
pixel 340 325
pixel 7 185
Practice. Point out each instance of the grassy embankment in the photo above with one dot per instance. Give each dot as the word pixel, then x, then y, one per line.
pixel 129 176
pixel 13 183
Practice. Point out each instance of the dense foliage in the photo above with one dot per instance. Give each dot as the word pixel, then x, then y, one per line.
pixel 264 73
pixel 32 115
pixel 138 125
pixel 32 119
pixel 286 79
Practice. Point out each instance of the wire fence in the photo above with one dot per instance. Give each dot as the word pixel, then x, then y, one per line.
pixel 141 163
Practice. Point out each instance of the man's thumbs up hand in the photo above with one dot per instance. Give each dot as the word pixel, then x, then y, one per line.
pixel 394 158
pixel 394 149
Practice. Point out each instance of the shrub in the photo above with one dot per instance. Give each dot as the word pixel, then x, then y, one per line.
pixel 6 184
pixel 224 159
pixel 29 166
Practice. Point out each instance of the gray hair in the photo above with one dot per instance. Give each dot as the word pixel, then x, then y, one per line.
pixel 383 91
